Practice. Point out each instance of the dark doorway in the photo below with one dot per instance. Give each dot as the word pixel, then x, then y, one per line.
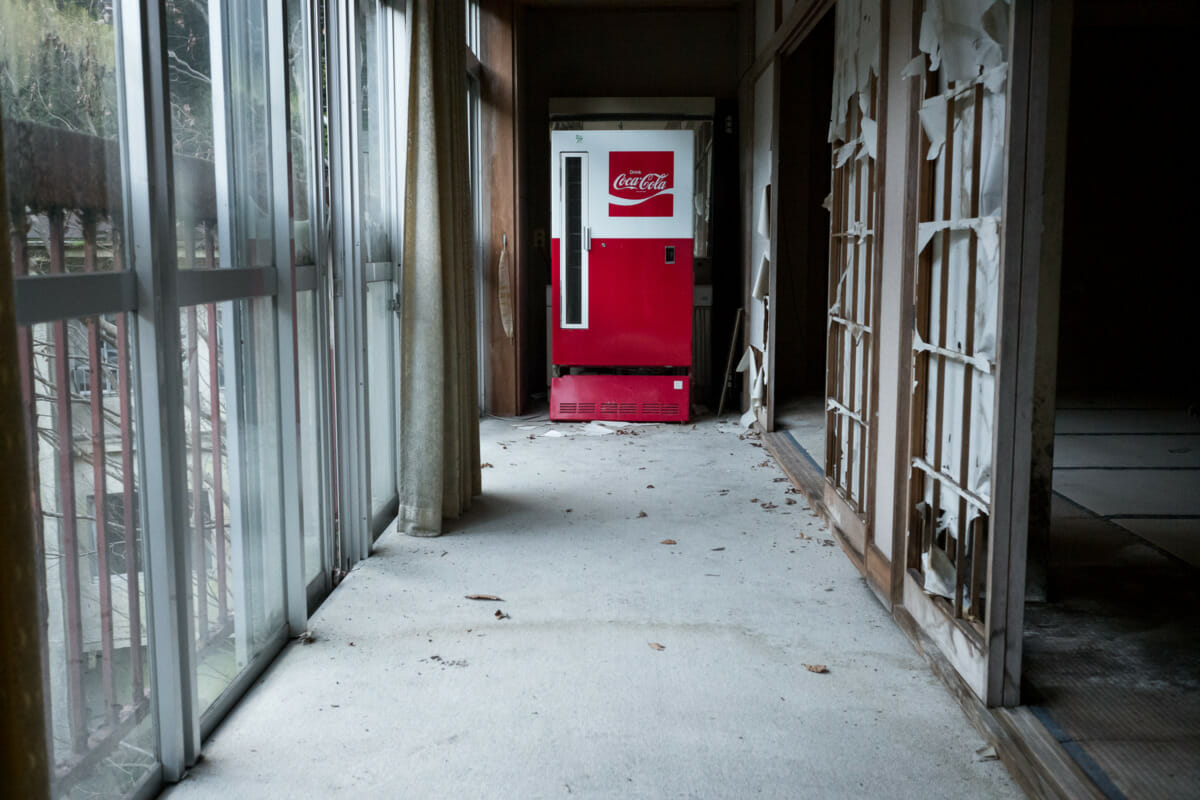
pixel 1112 660
pixel 800 297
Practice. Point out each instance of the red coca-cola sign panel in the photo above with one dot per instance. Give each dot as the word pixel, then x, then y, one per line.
pixel 641 184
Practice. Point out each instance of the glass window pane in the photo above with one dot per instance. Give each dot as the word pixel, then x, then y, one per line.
pixel 76 377
pixel 62 135
pixel 235 530
pixel 373 163
pixel 303 143
pixel 381 393
pixel 237 102
pixel 308 354
pixel 190 82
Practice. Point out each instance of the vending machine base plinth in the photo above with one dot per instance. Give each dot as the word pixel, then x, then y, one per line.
pixel 628 398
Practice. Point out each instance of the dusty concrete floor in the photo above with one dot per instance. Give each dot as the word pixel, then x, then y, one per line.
pixel 411 690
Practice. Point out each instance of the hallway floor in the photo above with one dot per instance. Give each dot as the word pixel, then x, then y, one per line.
pixel 625 666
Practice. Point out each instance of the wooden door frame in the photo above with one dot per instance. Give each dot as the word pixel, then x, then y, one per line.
pixel 1030 265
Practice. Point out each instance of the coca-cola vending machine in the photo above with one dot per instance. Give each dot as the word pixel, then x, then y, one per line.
pixel 622 229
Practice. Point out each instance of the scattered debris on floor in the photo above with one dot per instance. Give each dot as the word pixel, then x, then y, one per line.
pixel 490 597
pixel 568 510
pixel 668 541
pixel 827 542
pixel 987 753
pixel 767 506
pixel 717 549
pixel 780 480
pixel 458 662
pixel 501 615
pixel 753 499
pixel 791 501
pixel 485 465
pixel 306 637
pixel 642 514
pixel 656 646
pixel 649 485
pixel 820 669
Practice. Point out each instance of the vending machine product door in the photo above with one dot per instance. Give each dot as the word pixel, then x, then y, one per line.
pixel 622 242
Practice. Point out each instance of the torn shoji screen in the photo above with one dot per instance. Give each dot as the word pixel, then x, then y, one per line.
pixel 963 68
pixel 849 338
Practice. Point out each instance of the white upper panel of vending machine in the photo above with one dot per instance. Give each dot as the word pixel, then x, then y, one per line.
pixel 640 183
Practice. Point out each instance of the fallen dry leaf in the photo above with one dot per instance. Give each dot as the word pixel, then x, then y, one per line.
pixel 820 669
pixel 491 597
pixel 779 480
pixel 485 465
pixel 716 549
pixel 790 501
pixel 568 510
pixel 501 615
pixel 642 514
pixel 649 485
pixel 768 506
pixel 668 541
pixel 656 646
pixel 827 542
pixel 753 499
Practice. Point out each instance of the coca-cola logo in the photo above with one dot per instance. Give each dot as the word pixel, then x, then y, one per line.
pixel 641 183
pixel 650 182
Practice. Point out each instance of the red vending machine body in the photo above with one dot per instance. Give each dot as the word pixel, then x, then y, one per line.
pixel 622 222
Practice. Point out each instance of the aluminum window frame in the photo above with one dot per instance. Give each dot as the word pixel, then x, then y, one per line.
pixel 153 289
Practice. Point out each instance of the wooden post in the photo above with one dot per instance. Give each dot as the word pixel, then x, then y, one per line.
pixel 497 82
pixel 24 758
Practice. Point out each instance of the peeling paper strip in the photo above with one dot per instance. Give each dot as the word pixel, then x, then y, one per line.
pixel 835 406
pixel 764 212
pixel 913 68
pixel 955 32
pixel 933 121
pixel 748 418
pixel 986 228
pixel 756 393
pixel 991 79
pixel 843 153
pixel 762 279
pixel 978 362
pixel 747 360
pixel 856 329
pixel 947 482
pixel 869 134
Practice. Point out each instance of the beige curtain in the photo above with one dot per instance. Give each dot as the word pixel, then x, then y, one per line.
pixel 438 459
